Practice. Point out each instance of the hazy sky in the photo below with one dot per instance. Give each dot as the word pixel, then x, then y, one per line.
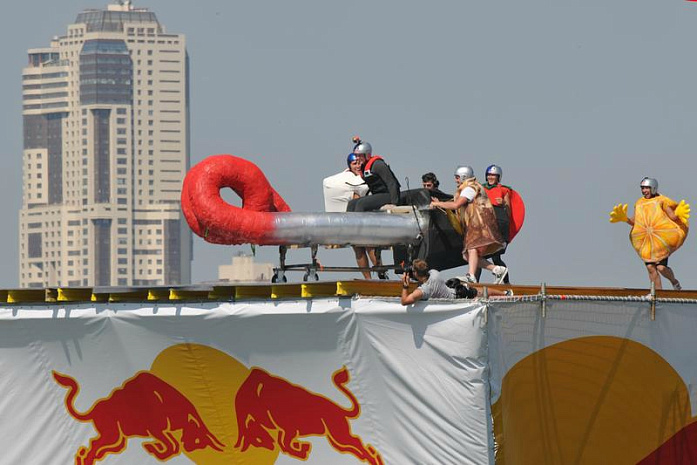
pixel 576 100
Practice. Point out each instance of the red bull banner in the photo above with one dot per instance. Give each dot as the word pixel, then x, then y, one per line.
pixel 321 381
pixel 593 382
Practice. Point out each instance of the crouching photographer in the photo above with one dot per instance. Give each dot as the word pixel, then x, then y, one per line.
pixel 432 285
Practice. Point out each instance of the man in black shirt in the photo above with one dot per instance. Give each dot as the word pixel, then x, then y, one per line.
pixel 383 186
pixel 383 189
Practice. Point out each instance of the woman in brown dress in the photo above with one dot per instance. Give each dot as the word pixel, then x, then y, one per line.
pixel 478 221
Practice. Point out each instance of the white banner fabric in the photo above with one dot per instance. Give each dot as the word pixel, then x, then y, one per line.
pixel 593 382
pixel 327 381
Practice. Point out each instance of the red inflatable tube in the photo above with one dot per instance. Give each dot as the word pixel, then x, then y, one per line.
pixel 218 222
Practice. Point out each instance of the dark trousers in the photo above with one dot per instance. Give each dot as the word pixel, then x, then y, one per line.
pixel 497 260
pixel 368 203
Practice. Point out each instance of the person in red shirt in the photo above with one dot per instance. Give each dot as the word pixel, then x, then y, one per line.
pixel 500 197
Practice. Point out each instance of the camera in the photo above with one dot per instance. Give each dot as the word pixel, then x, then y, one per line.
pixel 409 270
pixel 462 290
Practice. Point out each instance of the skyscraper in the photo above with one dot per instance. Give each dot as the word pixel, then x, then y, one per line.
pixel 106 147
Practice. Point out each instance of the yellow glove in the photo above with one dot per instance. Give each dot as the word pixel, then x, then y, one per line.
pixel 619 213
pixel 682 211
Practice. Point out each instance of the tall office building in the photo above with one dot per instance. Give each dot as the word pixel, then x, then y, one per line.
pixel 106 147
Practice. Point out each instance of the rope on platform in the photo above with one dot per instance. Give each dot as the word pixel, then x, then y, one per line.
pixel 592 298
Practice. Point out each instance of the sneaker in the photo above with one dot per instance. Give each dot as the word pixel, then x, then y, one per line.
pixel 677 286
pixel 500 273
pixel 383 275
pixel 470 279
pixel 508 292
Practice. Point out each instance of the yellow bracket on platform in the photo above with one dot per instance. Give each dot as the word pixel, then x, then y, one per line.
pixel 130 296
pixel 74 295
pixel 26 295
pixel 242 292
pixel 184 294
pixel 158 293
pixel 373 288
pixel 319 290
pixel 279 291
pixel 222 293
pixel 99 297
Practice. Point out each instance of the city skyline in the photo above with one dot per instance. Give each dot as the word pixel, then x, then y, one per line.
pixel 106 147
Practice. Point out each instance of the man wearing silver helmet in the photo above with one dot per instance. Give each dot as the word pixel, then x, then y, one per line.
pixel 383 189
pixel 659 228
pixel 478 223
pixel 377 174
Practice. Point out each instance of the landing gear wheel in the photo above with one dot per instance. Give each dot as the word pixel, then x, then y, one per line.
pixel 275 278
pixel 310 276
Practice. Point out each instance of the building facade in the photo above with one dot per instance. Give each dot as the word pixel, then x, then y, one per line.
pixel 244 269
pixel 106 148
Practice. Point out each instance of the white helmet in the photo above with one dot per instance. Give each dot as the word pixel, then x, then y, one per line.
pixel 362 148
pixel 650 183
pixel 464 172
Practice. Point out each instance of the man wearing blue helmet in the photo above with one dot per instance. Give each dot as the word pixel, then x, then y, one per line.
pixel 500 196
pixel 345 186
pixel 342 188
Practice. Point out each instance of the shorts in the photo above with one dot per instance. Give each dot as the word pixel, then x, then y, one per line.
pixel 663 262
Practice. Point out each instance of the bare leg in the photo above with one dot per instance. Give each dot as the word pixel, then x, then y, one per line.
pixel 492 292
pixel 667 272
pixel 362 261
pixel 654 277
pixel 375 257
pixel 473 255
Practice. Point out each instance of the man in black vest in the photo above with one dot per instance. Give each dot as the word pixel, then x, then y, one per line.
pixel 383 186
pixel 383 189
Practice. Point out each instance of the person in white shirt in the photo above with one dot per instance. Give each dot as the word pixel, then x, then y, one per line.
pixel 339 190
pixel 478 220
pixel 433 286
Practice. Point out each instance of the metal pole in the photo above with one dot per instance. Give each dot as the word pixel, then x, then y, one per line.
pixel 543 299
pixel 486 305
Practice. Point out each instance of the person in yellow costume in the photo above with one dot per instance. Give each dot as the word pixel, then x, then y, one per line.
pixel 659 228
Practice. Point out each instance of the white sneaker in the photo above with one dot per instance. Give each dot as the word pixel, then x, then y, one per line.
pixel 508 292
pixel 500 273
pixel 470 279
pixel 677 286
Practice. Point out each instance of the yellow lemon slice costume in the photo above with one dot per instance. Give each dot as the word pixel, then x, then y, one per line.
pixel 654 235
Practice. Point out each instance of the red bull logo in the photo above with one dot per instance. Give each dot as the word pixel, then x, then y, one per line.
pixel 272 411
pixel 265 414
pixel 146 407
